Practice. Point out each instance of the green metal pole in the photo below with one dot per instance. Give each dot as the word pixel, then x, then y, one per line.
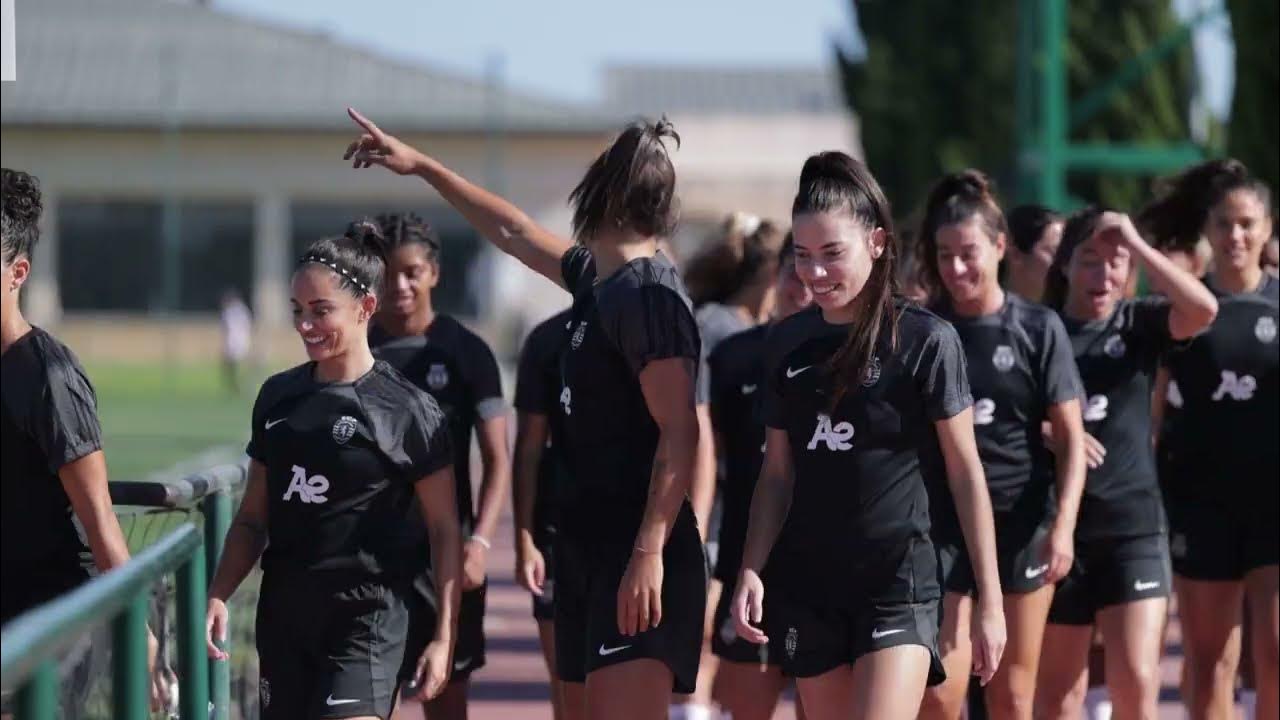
pixel 1053 104
pixel 38 696
pixel 217 521
pixel 129 691
pixel 192 657
pixel 1025 99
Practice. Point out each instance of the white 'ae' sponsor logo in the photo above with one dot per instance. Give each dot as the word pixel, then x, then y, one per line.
pixel 343 429
pixel 836 437
pixel 873 372
pixel 310 490
pixel 1114 346
pixel 437 376
pixel 1265 329
pixel 1003 359
pixel 1237 387
pixel 576 340
pixel 789 644
pixel 984 412
pixel 1095 409
pixel 1173 394
pixel 566 400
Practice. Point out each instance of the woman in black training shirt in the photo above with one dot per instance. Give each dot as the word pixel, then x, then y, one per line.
pixel 631 581
pixel 339 448
pixel 1022 374
pixel 865 403
pixel 1222 459
pixel 1120 579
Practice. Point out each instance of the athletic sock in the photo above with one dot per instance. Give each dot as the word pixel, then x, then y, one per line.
pixel 1097 704
pixel 1249 701
pixel 689 711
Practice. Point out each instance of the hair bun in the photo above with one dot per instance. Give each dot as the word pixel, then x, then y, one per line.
pixel 663 129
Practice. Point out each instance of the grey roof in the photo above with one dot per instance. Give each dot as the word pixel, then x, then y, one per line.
pixel 734 91
pixel 146 63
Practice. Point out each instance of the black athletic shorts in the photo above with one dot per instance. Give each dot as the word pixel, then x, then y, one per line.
pixel 899 603
pixel 1019 555
pixel 1112 571
pixel 468 648
pixel 1210 541
pixel 328 650
pixel 544 607
pixel 725 642
pixel 586 617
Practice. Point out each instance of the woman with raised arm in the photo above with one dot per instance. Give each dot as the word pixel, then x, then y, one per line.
pixel 1120 580
pixel 339 448
pixel 631 576
pixel 866 403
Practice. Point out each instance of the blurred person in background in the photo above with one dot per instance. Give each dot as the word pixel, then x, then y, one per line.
pixel 538 479
pixel 631 577
pixel 731 284
pixel 1121 577
pixel 1222 488
pixel 748 679
pixel 340 448
pixel 1271 256
pixel 443 358
pixel 236 323
pixel 1034 234
pixel 54 475
pixel 1022 374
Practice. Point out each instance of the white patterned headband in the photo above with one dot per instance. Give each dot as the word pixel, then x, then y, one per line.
pixel 334 266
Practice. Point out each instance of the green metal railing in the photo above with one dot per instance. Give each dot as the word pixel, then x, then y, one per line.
pixel 32 642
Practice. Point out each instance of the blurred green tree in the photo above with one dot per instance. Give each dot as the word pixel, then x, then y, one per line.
pixel 1255 108
pixel 935 90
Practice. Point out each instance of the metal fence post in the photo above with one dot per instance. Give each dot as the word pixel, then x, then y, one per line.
pixel 130 684
pixel 192 656
pixel 217 521
pixel 38 696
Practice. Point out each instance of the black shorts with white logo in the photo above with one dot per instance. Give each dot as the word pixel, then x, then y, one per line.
pixel 586 615
pixel 898 603
pixel 327 650
pixel 544 606
pixel 1111 571
pixel 725 642
pixel 1019 555
pixel 468 649
pixel 1210 541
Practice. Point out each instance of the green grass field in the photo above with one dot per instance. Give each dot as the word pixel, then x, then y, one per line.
pixel 154 416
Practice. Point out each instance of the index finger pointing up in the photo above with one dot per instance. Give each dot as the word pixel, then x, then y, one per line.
pixel 365 123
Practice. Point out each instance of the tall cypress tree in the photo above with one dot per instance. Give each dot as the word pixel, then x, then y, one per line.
pixel 1255 109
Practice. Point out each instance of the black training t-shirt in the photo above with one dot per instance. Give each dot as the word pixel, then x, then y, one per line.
pixel 49 420
pixel 638 314
pixel 1020 364
pixel 862 470
pixel 342 460
pixel 1227 428
pixel 737 384
pixel 459 370
pixel 538 392
pixel 1118 357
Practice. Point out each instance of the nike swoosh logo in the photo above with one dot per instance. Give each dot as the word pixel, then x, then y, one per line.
pixel 792 373
pixel 272 423
pixel 1035 572
pixel 748 389
pixel 877 634
pixel 1141 586
pixel 331 702
pixel 604 651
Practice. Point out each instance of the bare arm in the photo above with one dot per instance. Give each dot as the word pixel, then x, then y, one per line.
pixel 1193 306
pixel 85 481
pixel 247 537
pixel 496 459
pixel 702 493
pixel 1159 399
pixel 437 499
pixel 667 386
pixel 532 431
pixel 504 224
pixel 771 500
pixel 1071 469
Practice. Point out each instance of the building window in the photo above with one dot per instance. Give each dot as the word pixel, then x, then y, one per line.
pixel 112 255
pixel 459 243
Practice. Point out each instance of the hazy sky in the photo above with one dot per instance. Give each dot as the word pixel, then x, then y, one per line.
pixel 557 47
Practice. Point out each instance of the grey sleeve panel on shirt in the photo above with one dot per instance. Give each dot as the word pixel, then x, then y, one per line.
pixel 65 419
pixel 484 380
pixel 577 268
pixel 651 322
pixel 1059 375
pixel 941 373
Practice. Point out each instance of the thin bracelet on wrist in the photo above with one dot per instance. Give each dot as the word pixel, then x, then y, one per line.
pixel 481 540
pixel 644 551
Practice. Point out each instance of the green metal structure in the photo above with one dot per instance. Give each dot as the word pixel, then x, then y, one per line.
pixel 1045 116
pixel 32 642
